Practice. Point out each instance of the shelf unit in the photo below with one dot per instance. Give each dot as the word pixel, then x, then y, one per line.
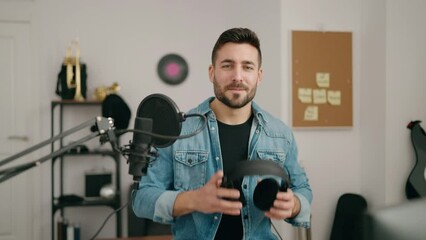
pixel 114 203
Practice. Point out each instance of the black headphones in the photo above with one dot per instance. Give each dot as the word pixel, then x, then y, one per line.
pixel 267 189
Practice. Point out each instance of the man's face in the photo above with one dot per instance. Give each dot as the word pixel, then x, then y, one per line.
pixel 235 74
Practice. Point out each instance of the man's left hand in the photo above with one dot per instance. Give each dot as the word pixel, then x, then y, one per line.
pixel 286 205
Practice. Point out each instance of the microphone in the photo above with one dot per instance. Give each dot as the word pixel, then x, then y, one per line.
pixel 157 114
pixel 158 124
pixel 139 157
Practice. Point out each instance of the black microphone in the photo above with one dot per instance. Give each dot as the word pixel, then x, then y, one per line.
pixel 156 114
pixel 139 149
pixel 158 124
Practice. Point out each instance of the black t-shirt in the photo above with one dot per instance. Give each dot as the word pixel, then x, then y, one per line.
pixel 234 140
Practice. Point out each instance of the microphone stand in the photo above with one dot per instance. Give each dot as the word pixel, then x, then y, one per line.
pixel 104 129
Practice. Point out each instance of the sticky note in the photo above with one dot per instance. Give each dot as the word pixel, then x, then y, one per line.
pixel 334 97
pixel 311 113
pixel 305 95
pixel 320 96
pixel 323 79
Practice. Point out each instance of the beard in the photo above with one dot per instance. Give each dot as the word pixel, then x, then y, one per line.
pixel 237 100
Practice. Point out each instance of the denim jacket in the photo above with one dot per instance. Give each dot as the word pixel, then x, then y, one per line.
pixel 189 163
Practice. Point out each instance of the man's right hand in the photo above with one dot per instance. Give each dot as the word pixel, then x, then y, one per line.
pixel 209 199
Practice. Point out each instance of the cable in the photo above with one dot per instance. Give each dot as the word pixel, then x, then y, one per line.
pixel 272 223
pixel 108 217
pixel 120 132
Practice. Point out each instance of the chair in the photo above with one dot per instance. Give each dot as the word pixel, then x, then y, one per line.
pixel 347 223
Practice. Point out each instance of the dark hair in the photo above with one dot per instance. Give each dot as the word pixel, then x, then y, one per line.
pixel 237 35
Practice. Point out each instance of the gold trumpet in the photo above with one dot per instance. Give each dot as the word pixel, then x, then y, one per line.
pixel 70 62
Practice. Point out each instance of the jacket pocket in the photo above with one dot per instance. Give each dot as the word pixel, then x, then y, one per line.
pixel 276 156
pixel 190 169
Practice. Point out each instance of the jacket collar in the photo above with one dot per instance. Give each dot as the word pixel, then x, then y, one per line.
pixel 204 108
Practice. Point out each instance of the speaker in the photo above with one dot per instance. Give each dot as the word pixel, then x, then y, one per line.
pixel 95 181
pixel 267 189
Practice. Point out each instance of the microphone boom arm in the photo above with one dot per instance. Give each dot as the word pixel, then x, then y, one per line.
pixel 105 127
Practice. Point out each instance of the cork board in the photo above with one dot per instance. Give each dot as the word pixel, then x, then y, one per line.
pixel 321 79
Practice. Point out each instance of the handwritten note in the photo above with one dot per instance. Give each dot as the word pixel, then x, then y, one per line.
pixel 323 79
pixel 311 113
pixel 305 95
pixel 320 96
pixel 334 98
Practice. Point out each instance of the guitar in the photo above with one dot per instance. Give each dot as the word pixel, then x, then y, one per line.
pixel 416 182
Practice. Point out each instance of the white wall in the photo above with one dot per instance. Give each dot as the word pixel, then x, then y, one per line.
pixel 373 101
pixel 123 40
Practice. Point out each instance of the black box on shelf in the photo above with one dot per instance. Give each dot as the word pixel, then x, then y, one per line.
pixel 95 181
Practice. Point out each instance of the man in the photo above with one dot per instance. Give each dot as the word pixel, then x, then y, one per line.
pixel 183 186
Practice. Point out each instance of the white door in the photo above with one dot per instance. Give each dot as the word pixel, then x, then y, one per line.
pixel 17 194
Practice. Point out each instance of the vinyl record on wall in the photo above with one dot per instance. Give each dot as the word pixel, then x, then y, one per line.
pixel 172 69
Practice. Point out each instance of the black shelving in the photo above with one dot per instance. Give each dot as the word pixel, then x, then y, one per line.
pixel 114 203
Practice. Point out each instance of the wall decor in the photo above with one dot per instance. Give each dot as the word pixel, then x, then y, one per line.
pixel 172 69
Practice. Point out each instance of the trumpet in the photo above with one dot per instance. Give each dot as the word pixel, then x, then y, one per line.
pixel 70 61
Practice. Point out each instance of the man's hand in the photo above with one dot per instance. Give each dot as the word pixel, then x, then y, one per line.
pixel 286 205
pixel 209 199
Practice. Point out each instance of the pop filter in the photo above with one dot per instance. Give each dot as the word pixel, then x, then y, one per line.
pixel 165 115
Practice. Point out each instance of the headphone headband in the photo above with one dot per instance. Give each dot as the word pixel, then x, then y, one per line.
pixel 257 167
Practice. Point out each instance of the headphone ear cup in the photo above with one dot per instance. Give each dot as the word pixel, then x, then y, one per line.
pixel 228 183
pixel 265 193
pixel 266 190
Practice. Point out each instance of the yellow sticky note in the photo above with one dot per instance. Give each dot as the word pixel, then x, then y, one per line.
pixel 320 96
pixel 311 113
pixel 323 79
pixel 305 95
pixel 334 98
